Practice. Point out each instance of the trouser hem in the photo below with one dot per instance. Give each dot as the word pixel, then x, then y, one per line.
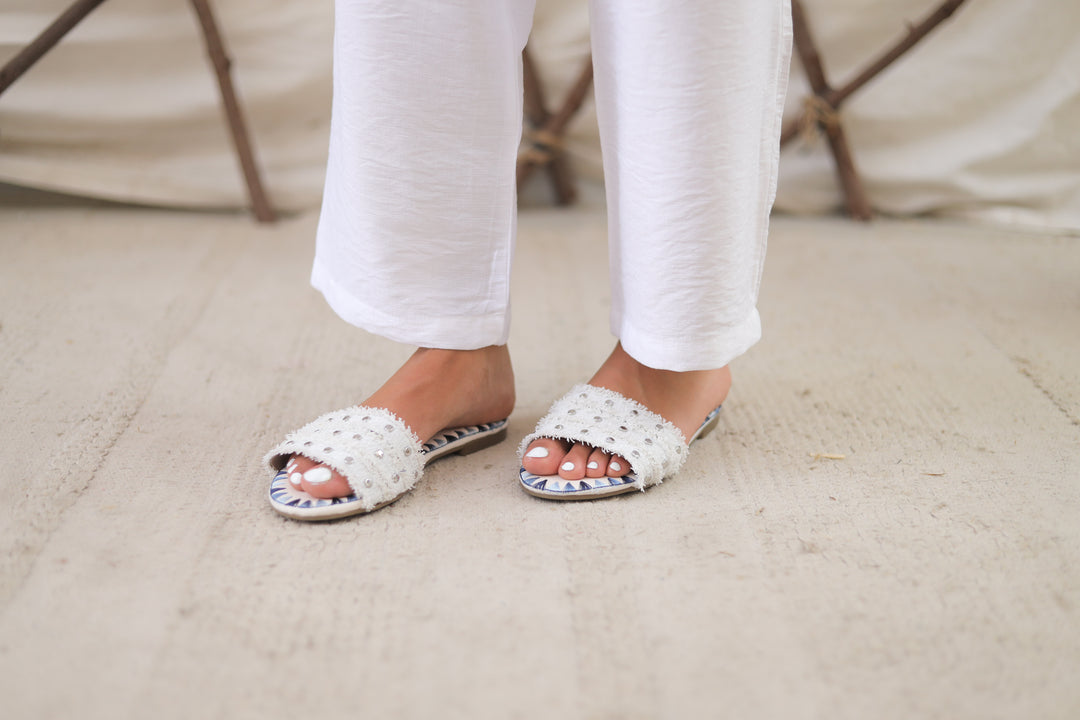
pixel 683 354
pixel 454 332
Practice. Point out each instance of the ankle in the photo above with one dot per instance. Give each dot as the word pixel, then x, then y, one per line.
pixel 630 374
pixel 684 398
pixel 438 388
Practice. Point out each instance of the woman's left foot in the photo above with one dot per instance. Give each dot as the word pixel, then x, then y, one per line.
pixel 682 398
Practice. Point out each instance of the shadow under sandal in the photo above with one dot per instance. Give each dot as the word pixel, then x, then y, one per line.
pixel 377 453
pixel 605 419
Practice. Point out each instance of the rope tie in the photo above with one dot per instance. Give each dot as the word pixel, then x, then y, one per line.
pixel 816 113
pixel 542 146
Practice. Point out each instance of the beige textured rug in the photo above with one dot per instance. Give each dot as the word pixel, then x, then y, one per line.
pixel 147 359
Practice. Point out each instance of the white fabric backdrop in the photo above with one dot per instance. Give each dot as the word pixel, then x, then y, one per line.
pixel 982 120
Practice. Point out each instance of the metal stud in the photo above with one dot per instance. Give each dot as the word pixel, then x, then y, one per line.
pixel 648 441
pixel 597 418
pixel 388 428
pixel 408 451
pixel 367 483
pixel 558 427
pixel 635 453
pixel 379 454
pixel 623 428
pixel 610 440
pixel 365 418
pixel 307 444
pixel 609 402
pixel 348 460
pixel 357 437
pixel 346 418
pixel 584 431
pixel 571 411
pixel 337 432
pixel 328 449
pixel 395 477
pixel 584 396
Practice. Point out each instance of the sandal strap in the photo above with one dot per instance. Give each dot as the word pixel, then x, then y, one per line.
pixel 618 425
pixel 377 453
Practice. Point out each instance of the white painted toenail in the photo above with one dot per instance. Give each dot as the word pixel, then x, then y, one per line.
pixel 538 452
pixel 295 479
pixel 568 466
pixel 593 465
pixel 615 467
pixel 318 475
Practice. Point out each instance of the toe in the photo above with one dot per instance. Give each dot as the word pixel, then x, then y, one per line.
pixel 322 482
pixel 597 465
pixel 292 469
pixel 317 480
pixel 617 467
pixel 573 462
pixel 544 456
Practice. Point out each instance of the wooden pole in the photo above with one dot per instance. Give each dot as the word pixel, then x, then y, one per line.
pixel 914 35
pixel 857 204
pixel 546 148
pixel 555 161
pixel 77 11
pixel 215 48
pixel 13 69
pixel 535 106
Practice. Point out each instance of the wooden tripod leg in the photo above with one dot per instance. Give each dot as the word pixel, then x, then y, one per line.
pixel 888 57
pixel 554 127
pixel 215 48
pixel 44 42
pixel 857 204
pixel 536 112
pixel 914 35
pixel 535 108
pixel 557 165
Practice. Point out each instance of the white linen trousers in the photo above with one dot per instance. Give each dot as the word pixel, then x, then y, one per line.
pixel 419 209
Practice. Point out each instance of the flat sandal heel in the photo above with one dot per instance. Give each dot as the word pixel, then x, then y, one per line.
pixel 708 427
pixel 482 443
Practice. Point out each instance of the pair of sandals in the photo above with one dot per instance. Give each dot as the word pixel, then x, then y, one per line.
pixel 382 458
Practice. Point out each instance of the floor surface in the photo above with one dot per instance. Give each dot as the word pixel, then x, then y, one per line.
pixel 886 524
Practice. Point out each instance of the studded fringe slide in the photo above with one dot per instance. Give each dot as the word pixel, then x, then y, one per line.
pixel 377 453
pixel 618 425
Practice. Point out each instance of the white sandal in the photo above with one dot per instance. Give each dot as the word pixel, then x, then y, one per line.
pixel 617 425
pixel 377 453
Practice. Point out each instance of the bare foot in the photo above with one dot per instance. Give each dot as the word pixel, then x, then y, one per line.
pixel 434 389
pixel 682 398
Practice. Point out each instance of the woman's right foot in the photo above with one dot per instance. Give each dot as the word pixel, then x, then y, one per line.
pixel 434 389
